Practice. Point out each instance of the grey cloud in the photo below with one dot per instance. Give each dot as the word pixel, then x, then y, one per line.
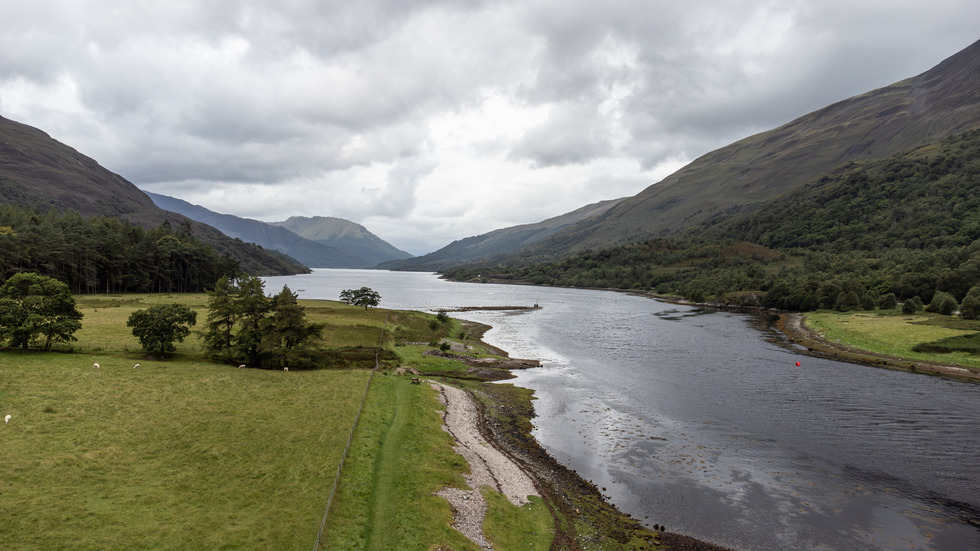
pixel 571 134
pixel 194 95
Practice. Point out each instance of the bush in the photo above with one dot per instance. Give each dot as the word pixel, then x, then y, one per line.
pixel 970 309
pixel 158 327
pixel 943 303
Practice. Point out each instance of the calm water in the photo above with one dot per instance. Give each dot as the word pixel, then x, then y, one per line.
pixel 703 422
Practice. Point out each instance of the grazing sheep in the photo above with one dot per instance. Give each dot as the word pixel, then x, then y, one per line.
pixel 96 366
pixel 6 419
pixel 285 369
pixel 241 366
pixel 135 366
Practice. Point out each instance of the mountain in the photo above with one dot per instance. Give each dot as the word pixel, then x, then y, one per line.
pixel 39 172
pixel 864 235
pixel 486 246
pixel 270 236
pixel 353 239
pixel 943 101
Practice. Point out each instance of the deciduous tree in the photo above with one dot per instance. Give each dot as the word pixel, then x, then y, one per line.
pixel 365 296
pixel 159 327
pixel 33 305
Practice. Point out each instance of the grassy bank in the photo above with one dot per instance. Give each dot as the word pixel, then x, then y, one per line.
pixel 923 342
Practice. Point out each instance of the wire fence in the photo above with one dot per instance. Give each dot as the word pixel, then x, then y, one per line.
pixel 350 437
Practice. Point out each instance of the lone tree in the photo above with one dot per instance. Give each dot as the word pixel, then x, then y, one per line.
pixel 365 296
pixel 32 305
pixel 158 327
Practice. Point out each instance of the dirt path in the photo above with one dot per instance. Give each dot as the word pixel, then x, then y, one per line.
pixel 488 466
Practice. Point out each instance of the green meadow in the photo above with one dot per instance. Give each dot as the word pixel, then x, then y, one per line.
pixel 923 336
pixel 182 453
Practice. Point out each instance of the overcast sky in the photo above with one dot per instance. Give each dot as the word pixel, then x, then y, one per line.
pixel 431 121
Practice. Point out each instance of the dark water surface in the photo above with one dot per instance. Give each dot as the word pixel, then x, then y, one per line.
pixel 703 422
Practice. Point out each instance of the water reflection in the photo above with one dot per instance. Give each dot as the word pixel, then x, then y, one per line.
pixel 698 420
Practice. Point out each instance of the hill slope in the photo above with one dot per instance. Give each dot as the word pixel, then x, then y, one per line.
pixel 39 172
pixel 270 236
pixel 906 226
pixel 483 247
pixel 940 102
pixel 346 236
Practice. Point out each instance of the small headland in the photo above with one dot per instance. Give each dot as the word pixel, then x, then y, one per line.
pixel 793 325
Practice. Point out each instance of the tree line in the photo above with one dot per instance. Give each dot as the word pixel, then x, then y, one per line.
pixel 243 324
pixel 103 254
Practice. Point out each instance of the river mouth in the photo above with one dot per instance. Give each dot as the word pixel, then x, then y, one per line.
pixel 700 421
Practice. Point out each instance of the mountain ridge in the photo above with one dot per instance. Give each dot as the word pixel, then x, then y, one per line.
pixel 269 236
pixel 498 242
pixel 345 236
pixel 940 102
pixel 40 172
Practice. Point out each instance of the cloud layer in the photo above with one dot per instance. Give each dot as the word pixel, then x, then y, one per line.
pixel 430 121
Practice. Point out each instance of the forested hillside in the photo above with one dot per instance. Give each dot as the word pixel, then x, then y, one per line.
pixel 104 254
pixel 41 173
pixel 907 226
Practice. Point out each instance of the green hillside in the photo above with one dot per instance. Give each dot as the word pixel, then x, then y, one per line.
pixel 43 174
pixel 747 174
pixel 907 225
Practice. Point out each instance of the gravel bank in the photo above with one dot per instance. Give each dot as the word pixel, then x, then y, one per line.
pixel 488 466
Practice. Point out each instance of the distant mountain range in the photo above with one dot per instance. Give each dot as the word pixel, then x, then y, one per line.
pixel 39 172
pixel 317 242
pixel 346 236
pixel 483 247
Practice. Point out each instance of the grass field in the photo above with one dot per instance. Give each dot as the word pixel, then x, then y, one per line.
pixel 187 454
pixel 173 455
pixel 895 334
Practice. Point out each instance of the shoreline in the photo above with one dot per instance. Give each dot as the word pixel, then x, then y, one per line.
pixel 793 326
pixel 584 519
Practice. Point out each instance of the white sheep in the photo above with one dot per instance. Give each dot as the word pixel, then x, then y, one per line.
pixel 96 366
pixel 285 369
pixel 136 366
pixel 6 419
pixel 241 366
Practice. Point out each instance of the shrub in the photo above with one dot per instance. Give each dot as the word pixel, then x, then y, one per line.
pixel 943 303
pixel 970 309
